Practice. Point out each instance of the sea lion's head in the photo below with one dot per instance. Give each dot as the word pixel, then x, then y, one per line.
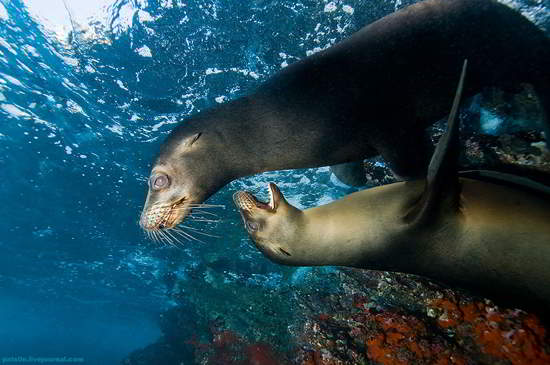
pixel 179 181
pixel 272 226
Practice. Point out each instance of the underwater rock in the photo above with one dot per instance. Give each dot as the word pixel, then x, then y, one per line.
pixel 521 153
pixel 518 111
pixel 403 319
pixel 229 348
pixel 172 347
pixel 378 173
pixel 159 352
pixel 366 317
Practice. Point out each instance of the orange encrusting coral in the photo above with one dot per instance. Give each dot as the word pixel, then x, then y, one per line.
pixel 494 331
pixel 402 339
pixel 448 329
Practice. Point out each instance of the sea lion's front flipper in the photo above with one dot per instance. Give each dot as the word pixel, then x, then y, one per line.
pixel 442 185
pixel 350 173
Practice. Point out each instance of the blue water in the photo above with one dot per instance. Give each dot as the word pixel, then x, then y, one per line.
pixel 87 94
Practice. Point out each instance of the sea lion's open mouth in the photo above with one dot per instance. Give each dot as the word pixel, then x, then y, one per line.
pixel 162 216
pixel 247 202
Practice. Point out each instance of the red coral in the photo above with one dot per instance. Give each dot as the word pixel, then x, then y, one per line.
pixel 228 348
pixel 260 354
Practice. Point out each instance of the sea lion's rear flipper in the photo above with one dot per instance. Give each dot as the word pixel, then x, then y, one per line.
pixel 350 173
pixel 442 186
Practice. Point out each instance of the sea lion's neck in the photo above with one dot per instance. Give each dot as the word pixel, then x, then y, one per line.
pixel 361 230
pixel 255 134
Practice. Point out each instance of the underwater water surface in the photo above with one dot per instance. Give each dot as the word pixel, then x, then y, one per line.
pixel 88 91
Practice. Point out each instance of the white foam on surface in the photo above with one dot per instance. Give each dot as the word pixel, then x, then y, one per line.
pixel 7 46
pixel 212 71
pixel 330 7
pixel 144 16
pixel 348 9
pixel 74 108
pixel 12 80
pixel 144 51
pixel 116 128
pixel 31 50
pixel 14 111
pixel 3 13
pixel 121 85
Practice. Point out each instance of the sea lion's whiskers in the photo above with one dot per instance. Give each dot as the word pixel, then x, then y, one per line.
pixel 198 231
pixel 202 205
pixel 165 233
pixel 161 237
pixel 197 211
pixel 172 236
pixel 193 206
pixel 181 234
pixel 158 236
pixel 204 213
pixel 187 235
pixel 195 219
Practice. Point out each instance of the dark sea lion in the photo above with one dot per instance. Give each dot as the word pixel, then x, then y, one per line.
pixel 490 237
pixel 373 93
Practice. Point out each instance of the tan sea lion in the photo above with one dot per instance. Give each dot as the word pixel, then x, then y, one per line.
pixel 373 93
pixel 490 237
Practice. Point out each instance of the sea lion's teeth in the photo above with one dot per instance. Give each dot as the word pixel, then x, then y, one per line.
pixel 271 203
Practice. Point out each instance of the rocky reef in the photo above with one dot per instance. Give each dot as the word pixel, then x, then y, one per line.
pixel 369 317
pixel 402 319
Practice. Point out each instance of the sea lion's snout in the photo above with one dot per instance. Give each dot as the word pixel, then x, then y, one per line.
pixel 247 202
pixel 255 212
pixel 161 216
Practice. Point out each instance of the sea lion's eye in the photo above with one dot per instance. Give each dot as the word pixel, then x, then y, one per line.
pixel 252 226
pixel 159 181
